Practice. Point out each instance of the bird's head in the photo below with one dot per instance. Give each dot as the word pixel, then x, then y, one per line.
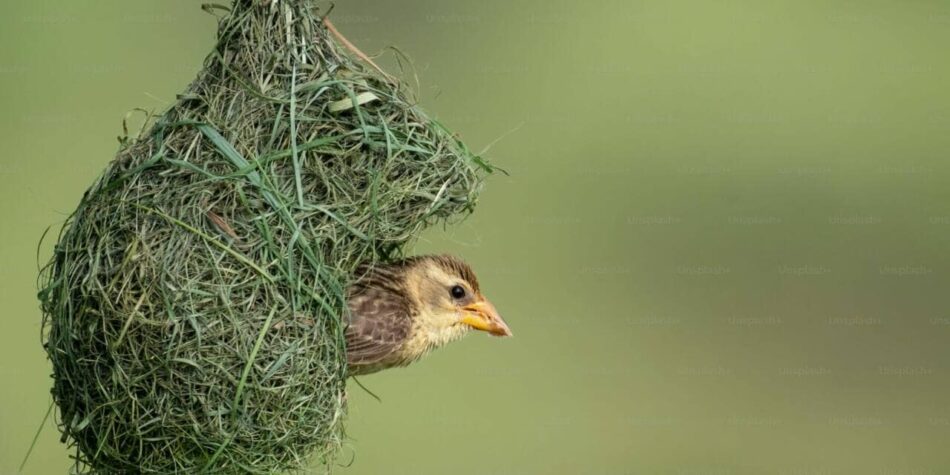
pixel 449 300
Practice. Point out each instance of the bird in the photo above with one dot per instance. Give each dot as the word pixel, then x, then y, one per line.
pixel 399 312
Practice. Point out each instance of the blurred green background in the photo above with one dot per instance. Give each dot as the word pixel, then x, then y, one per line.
pixel 722 246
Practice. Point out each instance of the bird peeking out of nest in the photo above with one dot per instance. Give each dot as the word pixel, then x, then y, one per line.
pixel 399 312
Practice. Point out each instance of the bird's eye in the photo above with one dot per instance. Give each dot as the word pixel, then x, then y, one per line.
pixel 458 292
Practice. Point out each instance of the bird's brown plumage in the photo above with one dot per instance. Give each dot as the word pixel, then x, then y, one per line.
pixel 380 316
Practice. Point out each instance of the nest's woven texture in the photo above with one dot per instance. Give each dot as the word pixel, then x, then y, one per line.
pixel 193 306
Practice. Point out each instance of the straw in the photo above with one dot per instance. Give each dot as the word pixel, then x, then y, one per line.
pixel 194 304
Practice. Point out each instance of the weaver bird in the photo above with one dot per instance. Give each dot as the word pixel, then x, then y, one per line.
pixel 400 312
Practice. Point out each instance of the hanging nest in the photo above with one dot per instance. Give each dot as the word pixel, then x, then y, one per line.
pixel 194 304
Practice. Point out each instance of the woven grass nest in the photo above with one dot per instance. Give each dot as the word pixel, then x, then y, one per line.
pixel 193 307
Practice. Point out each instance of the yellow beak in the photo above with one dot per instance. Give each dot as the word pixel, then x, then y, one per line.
pixel 483 316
